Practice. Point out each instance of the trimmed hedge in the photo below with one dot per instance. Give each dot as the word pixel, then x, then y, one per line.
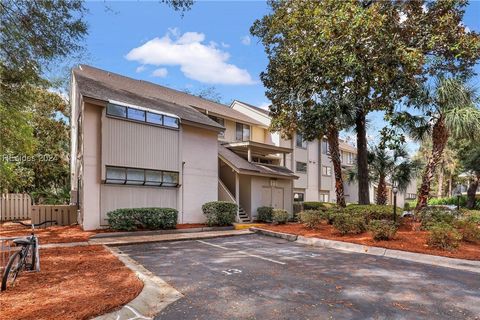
pixel 382 229
pixel 312 218
pixel 220 213
pixel 349 223
pixel 315 205
pixel 443 236
pixel 146 218
pixel 431 215
pixel 279 216
pixel 264 214
pixel 452 201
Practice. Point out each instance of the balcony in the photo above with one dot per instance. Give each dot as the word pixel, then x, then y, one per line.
pixel 259 150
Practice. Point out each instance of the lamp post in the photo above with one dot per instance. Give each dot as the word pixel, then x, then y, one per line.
pixel 394 190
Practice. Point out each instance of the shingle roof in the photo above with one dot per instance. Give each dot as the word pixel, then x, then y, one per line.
pixel 185 103
pixel 245 167
pixel 265 112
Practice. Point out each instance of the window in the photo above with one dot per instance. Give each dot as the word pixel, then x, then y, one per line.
pixel 326 171
pixel 133 176
pixel 301 167
pixel 325 147
pixel 135 114
pixel 116 175
pixel 220 121
pixel 141 115
pixel 154 118
pixel 298 197
pixel 170 122
pixel 324 197
pixel 411 195
pixel 170 179
pixel 116 110
pixel 300 142
pixel 242 132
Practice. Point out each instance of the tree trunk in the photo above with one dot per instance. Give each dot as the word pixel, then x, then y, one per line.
pixel 382 191
pixel 362 161
pixel 450 184
pixel 333 145
pixel 440 180
pixel 439 141
pixel 472 190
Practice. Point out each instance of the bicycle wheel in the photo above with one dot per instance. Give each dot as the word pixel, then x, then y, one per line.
pixel 31 256
pixel 14 266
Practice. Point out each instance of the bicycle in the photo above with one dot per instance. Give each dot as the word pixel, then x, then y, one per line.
pixel 23 259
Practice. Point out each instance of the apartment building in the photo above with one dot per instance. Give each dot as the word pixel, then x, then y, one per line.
pixel 137 144
pixel 310 161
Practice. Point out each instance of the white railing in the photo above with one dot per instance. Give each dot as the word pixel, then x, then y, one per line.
pixel 224 194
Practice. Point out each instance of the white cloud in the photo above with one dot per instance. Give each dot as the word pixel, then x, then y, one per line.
pixel 160 72
pixel 198 61
pixel 140 69
pixel 246 40
pixel 225 45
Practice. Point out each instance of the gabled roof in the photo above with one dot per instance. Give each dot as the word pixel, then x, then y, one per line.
pixel 265 112
pixel 144 89
pixel 242 166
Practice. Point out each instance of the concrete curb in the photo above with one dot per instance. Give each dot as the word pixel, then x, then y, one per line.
pixel 286 236
pixel 459 264
pixel 120 241
pixel 158 232
pixel 155 296
pixel 64 245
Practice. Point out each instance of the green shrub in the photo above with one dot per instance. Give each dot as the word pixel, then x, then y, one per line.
pixel 279 216
pixel 312 218
pixel 349 223
pixel 471 215
pixel 469 230
pixel 432 215
pixel 372 211
pixel 382 229
pixel 315 205
pixel 264 214
pixel 220 213
pixel 406 206
pixel 448 201
pixel 147 218
pixel 443 236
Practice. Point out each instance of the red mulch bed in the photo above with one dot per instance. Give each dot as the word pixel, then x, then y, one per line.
pixel 64 234
pixel 406 239
pixel 54 234
pixel 74 283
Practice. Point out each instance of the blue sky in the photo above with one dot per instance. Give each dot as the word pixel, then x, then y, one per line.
pixel 209 46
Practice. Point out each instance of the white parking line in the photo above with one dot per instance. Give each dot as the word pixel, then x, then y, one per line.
pixel 242 252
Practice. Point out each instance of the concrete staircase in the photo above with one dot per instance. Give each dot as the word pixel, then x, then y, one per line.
pixel 243 216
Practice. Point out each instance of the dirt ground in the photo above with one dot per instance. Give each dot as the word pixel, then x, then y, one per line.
pixel 54 234
pixel 74 283
pixel 63 234
pixel 406 240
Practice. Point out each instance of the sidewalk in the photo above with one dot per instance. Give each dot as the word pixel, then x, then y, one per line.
pixel 134 239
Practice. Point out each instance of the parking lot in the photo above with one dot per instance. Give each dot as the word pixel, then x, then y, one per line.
pixel 259 277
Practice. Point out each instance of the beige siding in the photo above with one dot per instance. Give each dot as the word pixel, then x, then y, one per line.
pixel 116 197
pixel 131 144
pixel 200 177
pixel 229 135
pixel 257 134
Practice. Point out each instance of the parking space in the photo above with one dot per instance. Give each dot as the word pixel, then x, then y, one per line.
pixel 258 277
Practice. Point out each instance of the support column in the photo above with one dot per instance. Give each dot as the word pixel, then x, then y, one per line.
pixel 237 189
pixel 285 160
pixel 249 154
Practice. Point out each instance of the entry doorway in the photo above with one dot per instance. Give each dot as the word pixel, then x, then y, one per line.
pixel 273 197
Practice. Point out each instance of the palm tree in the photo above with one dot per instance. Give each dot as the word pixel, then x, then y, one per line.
pixel 451 111
pixel 385 165
pixel 470 160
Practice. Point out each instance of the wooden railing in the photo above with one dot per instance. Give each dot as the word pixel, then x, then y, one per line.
pixel 64 214
pixel 15 206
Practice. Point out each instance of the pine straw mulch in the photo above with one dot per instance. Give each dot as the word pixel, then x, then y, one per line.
pixel 54 234
pixel 406 239
pixel 74 283
pixel 64 234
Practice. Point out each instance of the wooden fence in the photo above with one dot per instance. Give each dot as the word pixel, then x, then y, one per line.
pixel 64 215
pixel 15 206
